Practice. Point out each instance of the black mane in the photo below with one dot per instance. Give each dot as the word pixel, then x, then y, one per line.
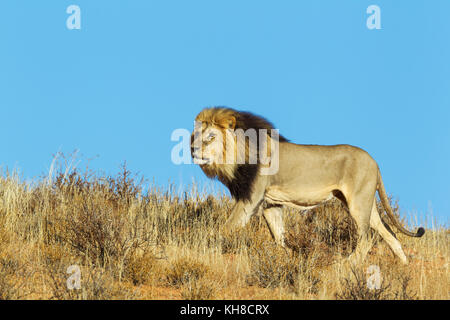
pixel 241 186
pixel 247 120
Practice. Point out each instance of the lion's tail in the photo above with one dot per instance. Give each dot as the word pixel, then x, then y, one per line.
pixel 387 207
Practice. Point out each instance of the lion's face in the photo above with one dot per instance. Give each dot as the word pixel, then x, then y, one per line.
pixel 208 145
pixel 234 146
pixel 213 143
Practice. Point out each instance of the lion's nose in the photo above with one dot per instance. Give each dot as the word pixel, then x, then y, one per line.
pixel 195 150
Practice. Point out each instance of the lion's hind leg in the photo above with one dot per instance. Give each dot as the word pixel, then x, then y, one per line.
pixel 360 210
pixel 273 215
pixel 377 224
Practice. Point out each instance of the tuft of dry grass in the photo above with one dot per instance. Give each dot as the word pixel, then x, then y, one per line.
pixel 132 240
pixel 186 271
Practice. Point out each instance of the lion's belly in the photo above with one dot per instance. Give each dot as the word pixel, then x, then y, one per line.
pixel 296 198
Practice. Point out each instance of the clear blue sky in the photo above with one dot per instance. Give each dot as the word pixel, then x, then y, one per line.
pixel 137 70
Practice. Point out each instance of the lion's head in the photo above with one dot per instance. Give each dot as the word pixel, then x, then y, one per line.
pixel 227 145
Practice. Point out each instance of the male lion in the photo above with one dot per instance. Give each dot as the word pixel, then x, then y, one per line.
pixel 307 175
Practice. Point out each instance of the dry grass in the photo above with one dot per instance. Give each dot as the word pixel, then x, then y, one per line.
pixel 136 244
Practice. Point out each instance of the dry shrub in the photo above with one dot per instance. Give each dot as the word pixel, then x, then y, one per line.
pixel 15 272
pixel 185 270
pixel 307 243
pixel 234 242
pixel 94 232
pixel 90 215
pixel 13 279
pixel 96 284
pixel 202 289
pixel 273 267
pixel 192 222
pixel 143 269
pixel 355 287
pixel 237 241
pixel 327 230
pixel 404 292
pixel 270 266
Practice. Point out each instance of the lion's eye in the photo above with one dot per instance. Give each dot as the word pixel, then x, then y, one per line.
pixel 210 137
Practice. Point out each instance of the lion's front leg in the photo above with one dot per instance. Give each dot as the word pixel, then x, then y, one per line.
pixel 241 214
pixel 245 208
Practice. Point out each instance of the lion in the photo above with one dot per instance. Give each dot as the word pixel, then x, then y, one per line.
pixel 306 176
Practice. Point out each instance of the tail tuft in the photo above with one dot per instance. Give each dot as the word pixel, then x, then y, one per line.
pixel 420 232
